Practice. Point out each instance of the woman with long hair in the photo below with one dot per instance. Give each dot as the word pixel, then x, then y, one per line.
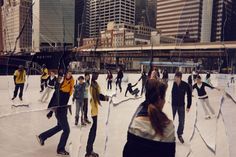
pixel 151 133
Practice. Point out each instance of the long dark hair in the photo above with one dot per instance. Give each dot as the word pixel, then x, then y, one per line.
pixel 155 93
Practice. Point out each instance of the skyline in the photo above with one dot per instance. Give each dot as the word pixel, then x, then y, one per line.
pixel 184 25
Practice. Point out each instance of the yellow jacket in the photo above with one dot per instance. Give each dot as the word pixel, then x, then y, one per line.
pixel 19 77
pixel 44 75
pixel 94 101
pixel 67 86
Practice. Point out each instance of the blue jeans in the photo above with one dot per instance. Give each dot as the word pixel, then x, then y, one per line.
pixel 181 113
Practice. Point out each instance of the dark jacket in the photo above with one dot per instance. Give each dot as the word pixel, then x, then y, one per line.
pixel 178 94
pixel 120 75
pixel 140 147
pixel 201 91
pixel 51 82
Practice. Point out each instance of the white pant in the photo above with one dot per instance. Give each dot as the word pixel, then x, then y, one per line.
pixel 205 104
pixel 46 93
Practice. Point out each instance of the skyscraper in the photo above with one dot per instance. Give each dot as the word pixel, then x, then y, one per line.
pixel 179 18
pixel 223 20
pixel 101 12
pixel 81 20
pixel 53 24
pixel 145 12
pixel 17 27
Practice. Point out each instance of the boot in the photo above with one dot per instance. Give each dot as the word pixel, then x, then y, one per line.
pixel 83 122
pixel 76 120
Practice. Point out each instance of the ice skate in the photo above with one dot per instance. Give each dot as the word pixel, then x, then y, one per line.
pixel 93 154
pixel 207 117
pixel 40 140
pixel 63 153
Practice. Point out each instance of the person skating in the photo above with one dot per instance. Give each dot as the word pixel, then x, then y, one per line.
pixel 165 76
pixel 85 108
pixel 131 91
pixel 66 90
pixel 208 79
pixel 78 97
pixel 44 77
pixel 144 78
pixel 203 97
pixel 151 133
pixel 179 90
pixel 56 94
pixel 232 79
pixel 51 82
pixel 19 80
pixel 96 97
pixel 119 78
pixel 109 80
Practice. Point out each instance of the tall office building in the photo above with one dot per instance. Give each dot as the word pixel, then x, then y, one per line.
pixel 101 12
pixel 53 24
pixel 223 20
pixel 1 32
pixel 145 12
pixel 16 19
pixel 81 21
pixel 180 18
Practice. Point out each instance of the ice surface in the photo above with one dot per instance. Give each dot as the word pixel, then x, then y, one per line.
pixel 18 126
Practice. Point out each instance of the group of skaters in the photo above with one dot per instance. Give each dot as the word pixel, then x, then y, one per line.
pixel 150 133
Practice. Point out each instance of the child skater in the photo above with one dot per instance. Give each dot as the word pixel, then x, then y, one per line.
pixel 109 80
pixel 96 97
pixel 78 97
pixel 131 91
pixel 51 82
pixel 85 108
pixel 203 97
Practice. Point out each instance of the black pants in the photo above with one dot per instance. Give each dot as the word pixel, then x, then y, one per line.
pixel 143 88
pixel 92 136
pixel 109 84
pixel 17 87
pixel 85 108
pixel 135 92
pixel 118 82
pixel 62 124
pixel 181 113
pixel 43 84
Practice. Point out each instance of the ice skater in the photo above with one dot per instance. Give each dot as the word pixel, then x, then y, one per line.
pixel 165 76
pixel 44 77
pixel 78 97
pixel 232 79
pixel 131 91
pixel 203 97
pixel 109 80
pixel 119 78
pixel 66 90
pixel 151 133
pixel 85 108
pixel 208 79
pixel 144 78
pixel 96 97
pixel 19 80
pixel 51 82
pixel 179 90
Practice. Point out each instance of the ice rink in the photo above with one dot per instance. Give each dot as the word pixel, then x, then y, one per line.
pixel 206 138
